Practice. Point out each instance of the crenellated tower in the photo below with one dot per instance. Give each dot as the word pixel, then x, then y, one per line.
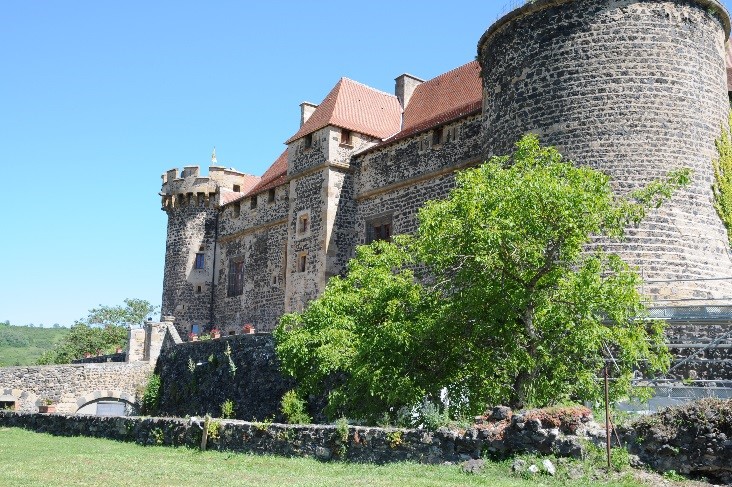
pixel 192 204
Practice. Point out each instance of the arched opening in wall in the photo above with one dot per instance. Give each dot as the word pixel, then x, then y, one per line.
pixel 108 406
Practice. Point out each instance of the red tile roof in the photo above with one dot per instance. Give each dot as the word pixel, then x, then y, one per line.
pixel 357 107
pixel 447 97
pixel 248 182
pixel 272 177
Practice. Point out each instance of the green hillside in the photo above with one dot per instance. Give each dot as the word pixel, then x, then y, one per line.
pixel 22 345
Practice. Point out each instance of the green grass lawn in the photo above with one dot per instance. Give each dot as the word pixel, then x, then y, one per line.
pixel 36 459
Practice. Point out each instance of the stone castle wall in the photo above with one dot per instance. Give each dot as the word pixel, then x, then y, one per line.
pixel 197 377
pixel 634 88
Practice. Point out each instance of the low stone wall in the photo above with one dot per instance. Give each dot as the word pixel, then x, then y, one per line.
pixel 71 386
pixel 693 439
pixel 197 377
pixel 326 442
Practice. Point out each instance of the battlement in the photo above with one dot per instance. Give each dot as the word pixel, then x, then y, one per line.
pixel 189 188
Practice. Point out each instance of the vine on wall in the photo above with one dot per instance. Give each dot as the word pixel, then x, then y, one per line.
pixel 722 186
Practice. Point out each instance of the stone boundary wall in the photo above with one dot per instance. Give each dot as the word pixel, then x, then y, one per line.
pixel 72 386
pixel 325 442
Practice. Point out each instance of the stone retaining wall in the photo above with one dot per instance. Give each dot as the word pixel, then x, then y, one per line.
pixel 72 386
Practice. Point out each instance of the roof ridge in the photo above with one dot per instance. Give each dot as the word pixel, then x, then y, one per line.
pixel 369 87
pixel 462 66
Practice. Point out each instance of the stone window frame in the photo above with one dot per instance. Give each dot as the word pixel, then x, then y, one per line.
pixel 303 224
pixel 253 202
pixel 379 220
pixel 199 262
pixel 236 207
pixel 235 277
pixel 301 263
pixel 271 195
pixel 346 138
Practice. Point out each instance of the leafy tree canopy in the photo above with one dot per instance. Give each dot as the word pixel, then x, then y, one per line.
pixel 103 329
pixel 510 305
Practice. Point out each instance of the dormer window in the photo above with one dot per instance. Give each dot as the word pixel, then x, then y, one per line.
pixel 307 141
pixel 346 137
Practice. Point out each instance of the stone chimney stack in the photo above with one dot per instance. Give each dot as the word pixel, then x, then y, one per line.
pixel 404 87
pixel 306 109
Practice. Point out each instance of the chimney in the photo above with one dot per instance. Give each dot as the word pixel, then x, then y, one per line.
pixel 404 87
pixel 306 109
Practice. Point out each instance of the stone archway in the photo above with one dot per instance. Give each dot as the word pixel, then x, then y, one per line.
pixel 107 403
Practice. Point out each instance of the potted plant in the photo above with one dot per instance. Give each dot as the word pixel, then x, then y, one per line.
pixel 46 406
pixel 215 333
pixel 249 329
pixel 192 337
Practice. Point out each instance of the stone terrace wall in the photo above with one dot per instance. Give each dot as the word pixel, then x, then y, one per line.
pixel 197 377
pixel 72 386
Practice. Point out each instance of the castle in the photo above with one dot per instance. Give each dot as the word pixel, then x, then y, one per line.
pixel 634 88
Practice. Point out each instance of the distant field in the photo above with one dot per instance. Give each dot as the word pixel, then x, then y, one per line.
pixel 22 345
pixel 35 459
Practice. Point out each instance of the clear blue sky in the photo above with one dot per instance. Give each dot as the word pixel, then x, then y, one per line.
pixel 97 99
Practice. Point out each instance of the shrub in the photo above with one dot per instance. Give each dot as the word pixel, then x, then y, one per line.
pixel 151 395
pixel 227 409
pixel 293 407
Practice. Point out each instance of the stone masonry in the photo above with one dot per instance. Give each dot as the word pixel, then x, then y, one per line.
pixel 635 88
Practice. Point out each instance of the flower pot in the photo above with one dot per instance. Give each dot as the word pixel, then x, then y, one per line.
pixel 47 408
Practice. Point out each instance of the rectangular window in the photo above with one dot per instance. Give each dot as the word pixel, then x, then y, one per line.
pixel 236 278
pixel 302 262
pixel 345 137
pixel 307 141
pixel 379 229
pixel 437 136
pixel 302 223
pixel 253 203
pixel 200 259
pixel 271 195
pixel 237 210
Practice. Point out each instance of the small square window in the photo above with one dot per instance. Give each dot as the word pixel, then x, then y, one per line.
pixel 237 188
pixel 200 261
pixel 379 229
pixel 345 137
pixel 253 203
pixel 271 195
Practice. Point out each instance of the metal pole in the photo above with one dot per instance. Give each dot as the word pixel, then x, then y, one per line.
pixel 607 417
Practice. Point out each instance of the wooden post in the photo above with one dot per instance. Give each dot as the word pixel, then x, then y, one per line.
pixel 204 436
pixel 607 417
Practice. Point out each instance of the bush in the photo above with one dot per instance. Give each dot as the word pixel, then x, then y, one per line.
pixel 293 407
pixel 151 395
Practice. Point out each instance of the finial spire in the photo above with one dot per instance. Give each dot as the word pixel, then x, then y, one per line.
pixel 213 156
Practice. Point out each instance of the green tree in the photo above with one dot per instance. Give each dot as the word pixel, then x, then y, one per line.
pixel 511 306
pixel 103 329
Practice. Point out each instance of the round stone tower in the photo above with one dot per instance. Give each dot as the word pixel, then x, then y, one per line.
pixel 634 88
